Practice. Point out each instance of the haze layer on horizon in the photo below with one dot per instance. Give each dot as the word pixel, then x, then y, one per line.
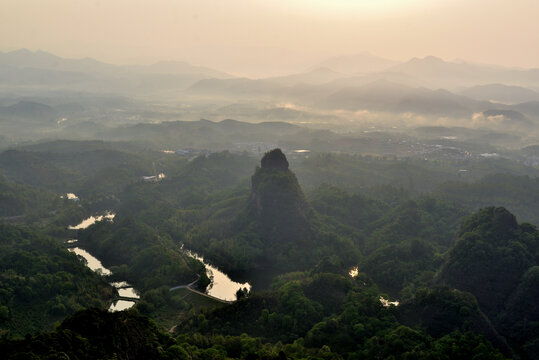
pixel 261 38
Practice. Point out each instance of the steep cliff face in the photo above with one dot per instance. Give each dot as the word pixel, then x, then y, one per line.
pixel 277 202
pixel 274 228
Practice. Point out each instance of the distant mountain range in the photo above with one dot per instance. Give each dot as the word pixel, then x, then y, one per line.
pixel 429 71
pixel 454 74
pixel 501 93
pixel 27 69
pixel 429 86
pixel 316 76
pixel 354 64
pixel 24 58
pixel 382 95
pixel 379 95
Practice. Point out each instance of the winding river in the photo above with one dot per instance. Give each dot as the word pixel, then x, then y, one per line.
pixel 221 286
pixel 124 289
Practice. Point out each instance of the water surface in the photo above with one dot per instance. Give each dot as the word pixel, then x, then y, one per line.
pixel 72 196
pixel 124 288
pixel 221 286
pixel 91 261
pixel 387 303
pixel 92 220
pixel 121 305
pixel 128 292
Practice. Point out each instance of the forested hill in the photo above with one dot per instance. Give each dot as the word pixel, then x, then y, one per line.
pixel 496 259
pixel 273 228
pixel 41 282
pixel 357 271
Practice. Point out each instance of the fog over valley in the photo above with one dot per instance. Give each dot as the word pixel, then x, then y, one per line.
pixel 48 97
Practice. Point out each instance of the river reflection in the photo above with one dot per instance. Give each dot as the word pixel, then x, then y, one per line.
pixel 123 287
pixel 221 286
pixel 92 262
pixel 92 220
pixel 387 303
pixel 121 305
pixel 128 292
pixel 71 196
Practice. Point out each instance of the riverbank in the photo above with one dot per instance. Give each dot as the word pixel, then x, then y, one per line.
pixel 220 290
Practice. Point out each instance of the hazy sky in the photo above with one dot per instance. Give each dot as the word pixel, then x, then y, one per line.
pixel 274 36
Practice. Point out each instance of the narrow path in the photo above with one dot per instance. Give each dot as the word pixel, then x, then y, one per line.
pixel 127 298
pixel 209 296
pixel 185 286
pixel 189 287
pixel 10 218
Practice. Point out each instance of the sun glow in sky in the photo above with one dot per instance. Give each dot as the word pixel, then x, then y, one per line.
pixel 365 7
pixel 262 37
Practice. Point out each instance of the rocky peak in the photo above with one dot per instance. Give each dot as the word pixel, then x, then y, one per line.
pixel 274 159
